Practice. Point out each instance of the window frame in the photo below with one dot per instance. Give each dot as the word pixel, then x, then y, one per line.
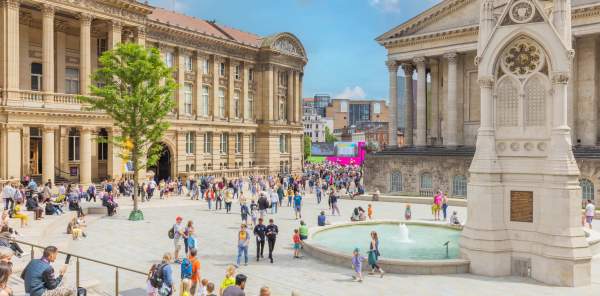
pixel 190 143
pixel 222 103
pixel 38 77
pixel 74 144
pixel 236 103
pixel 188 63
pixel 206 66
pixel 188 98
pixel 208 142
pixel 224 143
pixel 169 59
pixel 205 100
pixel 72 80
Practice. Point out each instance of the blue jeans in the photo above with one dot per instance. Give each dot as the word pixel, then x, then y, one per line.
pixel 209 204
pixel 242 249
pixel 273 207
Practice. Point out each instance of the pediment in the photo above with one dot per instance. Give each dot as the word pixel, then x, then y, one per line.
pixel 464 16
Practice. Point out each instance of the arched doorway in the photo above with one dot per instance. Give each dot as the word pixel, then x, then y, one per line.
pixel 162 168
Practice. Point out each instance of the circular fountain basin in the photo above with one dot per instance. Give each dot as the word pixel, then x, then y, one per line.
pixel 423 253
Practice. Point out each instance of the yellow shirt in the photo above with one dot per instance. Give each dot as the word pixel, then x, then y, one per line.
pixel 227 282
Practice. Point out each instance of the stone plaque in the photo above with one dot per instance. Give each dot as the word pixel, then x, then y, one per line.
pixel 521 206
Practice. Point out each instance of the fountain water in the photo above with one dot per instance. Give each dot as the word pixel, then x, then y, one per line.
pixel 404 234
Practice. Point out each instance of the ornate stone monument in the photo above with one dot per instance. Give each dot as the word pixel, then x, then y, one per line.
pixel 524 199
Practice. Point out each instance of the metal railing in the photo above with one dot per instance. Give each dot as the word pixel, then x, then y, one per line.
pixel 228 173
pixel 77 266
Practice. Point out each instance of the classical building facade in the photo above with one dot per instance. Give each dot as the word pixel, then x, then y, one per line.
pixel 439 47
pixel 237 91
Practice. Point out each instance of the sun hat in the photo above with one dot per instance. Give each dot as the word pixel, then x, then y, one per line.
pixel 178 218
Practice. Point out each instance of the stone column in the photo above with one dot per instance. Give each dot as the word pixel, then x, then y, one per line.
pixel 435 98
pixel 450 139
pixel 48 49
pixel 48 153
pixel 11 58
pixel 85 156
pixel 198 86
pixel 61 51
pixel 290 97
pixel 393 122
pixel 181 82
pixel 587 94
pixel 245 89
pixel 140 36
pixel 85 62
pixel 13 151
pixel 215 88
pixel 298 97
pixel 114 162
pixel 408 104
pixel 267 97
pixel 114 34
pixel 229 111
pixel 25 150
pixel 421 139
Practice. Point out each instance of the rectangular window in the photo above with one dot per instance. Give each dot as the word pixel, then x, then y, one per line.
pixel 224 147
pixel 188 63
pixel 222 69
pixel 250 106
pixel 282 109
pixel 190 142
pixel 205 66
pixel 222 103
pixel 187 98
pixel 71 81
pixel 73 145
pixel 36 76
pixel 283 143
pixel 102 145
pixel 101 46
pixel 236 104
pixel 169 59
pixel 207 142
pixel 252 143
pixel 238 74
pixel 251 74
pixel 205 97
pixel 238 143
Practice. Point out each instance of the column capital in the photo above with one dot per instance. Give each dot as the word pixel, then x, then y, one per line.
pixel 116 25
pixel 13 127
pixel 11 3
pixel 560 77
pixel 60 26
pixel 85 129
pixel 486 81
pixel 408 68
pixel 420 61
pixel 86 19
pixel 47 10
pixel 49 128
pixel 451 57
pixel 141 31
pixel 392 65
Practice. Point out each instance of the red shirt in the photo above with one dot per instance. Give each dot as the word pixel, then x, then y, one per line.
pixel 195 269
pixel 296 238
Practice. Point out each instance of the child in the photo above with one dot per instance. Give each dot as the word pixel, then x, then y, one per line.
pixel 203 289
pixel 370 212
pixel 185 287
pixel 407 212
pixel 210 289
pixel 253 210
pixel 357 260
pixel 454 219
pixel 297 244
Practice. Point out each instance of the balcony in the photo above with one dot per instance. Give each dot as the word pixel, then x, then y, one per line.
pixel 37 99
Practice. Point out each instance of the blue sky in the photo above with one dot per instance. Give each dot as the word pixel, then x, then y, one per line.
pixel 344 59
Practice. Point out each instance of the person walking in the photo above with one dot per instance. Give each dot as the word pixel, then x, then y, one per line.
pixel 590 210
pixel 229 279
pixel 195 279
pixel 178 230
pixel 243 243
pixel 238 288
pixel 274 201
pixel 40 279
pixel 187 232
pixel 228 200
pixel 298 205
pixel 263 205
pixel 260 231
pixel 374 254
pixel 444 206
pixel 272 231
pixel 334 200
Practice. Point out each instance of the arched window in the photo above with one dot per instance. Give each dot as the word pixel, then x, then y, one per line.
pixel 395 182
pixel 426 188
pixel 459 186
pixel 535 106
pixel 507 104
pixel 587 189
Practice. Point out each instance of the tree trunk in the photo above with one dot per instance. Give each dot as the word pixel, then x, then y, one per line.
pixel 134 160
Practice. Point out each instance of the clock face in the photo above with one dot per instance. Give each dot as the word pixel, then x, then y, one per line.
pixel 522 11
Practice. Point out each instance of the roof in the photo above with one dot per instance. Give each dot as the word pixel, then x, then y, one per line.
pixel 205 27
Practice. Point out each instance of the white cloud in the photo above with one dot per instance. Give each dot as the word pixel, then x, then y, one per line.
pixel 386 5
pixel 351 93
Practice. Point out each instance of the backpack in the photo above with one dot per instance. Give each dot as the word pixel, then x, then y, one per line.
pixel 186 269
pixel 171 233
pixel 156 275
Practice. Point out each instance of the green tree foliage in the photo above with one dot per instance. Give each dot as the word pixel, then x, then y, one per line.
pixel 135 89
pixel 329 137
pixel 307 147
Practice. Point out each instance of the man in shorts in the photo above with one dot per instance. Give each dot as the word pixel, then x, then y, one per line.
pixel 590 210
pixel 178 229
pixel 298 205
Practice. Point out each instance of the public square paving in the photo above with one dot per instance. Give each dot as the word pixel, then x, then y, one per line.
pixel 137 245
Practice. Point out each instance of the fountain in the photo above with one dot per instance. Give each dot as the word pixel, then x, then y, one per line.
pixel 404 234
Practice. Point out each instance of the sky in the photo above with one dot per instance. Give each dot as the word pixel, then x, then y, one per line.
pixel 344 60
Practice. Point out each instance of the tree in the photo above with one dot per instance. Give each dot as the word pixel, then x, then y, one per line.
pixel 329 137
pixel 307 147
pixel 135 89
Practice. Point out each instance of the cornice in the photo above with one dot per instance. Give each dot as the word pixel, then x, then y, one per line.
pixel 130 11
pixel 435 36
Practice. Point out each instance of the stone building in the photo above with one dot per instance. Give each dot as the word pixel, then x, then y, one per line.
pixel 440 47
pixel 237 91
pixel 347 113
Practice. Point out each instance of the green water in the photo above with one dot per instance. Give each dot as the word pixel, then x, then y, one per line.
pixel 426 242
